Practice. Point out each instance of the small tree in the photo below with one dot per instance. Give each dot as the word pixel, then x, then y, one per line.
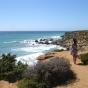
pixel 7 65
pixel 19 69
pixel 9 70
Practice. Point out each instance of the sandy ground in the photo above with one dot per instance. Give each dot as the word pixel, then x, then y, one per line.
pixel 5 84
pixel 80 70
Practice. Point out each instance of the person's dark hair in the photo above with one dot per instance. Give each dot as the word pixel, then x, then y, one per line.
pixel 75 40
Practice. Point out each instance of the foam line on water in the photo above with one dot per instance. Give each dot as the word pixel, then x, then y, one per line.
pixel 33 49
pixel 10 42
pixel 29 59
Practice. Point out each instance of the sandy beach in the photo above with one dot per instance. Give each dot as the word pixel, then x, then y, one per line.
pixel 80 70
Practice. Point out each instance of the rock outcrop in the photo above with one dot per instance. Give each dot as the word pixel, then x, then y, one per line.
pixel 81 36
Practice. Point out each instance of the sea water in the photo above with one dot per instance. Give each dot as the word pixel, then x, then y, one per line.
pixel 22 43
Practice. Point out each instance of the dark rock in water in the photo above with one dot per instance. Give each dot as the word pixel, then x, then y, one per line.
pixel 51 39
pixel 45 39
pixel 46 42
pixel 36 40
pixel 54 42
pixel 40 42
pixel 57 42
pixel 33 44
pixel 41 39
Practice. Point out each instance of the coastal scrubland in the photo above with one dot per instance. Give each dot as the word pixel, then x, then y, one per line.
pixel 42 75
pixel 53 70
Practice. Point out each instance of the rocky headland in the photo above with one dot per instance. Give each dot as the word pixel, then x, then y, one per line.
pixel 81 36
pixel 67 39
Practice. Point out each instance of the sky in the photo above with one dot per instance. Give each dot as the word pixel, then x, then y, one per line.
pixel 43 15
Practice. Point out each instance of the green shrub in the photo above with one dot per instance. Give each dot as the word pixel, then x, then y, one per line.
pixel 28 83
pixel 9 69
pixel 84 58
pixel 54 72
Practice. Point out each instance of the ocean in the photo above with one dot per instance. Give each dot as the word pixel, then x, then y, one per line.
pixel 22 44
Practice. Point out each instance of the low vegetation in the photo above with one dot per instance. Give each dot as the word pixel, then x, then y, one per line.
pixel 49 74
pixel 28 83
pixel 46 74
pixel 9 69
pixel 84 58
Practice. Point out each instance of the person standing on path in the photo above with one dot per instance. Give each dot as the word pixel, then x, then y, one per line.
pixel 74 50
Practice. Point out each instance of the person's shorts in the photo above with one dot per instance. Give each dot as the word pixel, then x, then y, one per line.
pixel 74 53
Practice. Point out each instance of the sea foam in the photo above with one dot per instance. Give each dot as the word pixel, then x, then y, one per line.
pixel 29 59
pixel 38 48
pixel 56 37
pixel 34 49
pixel 37 51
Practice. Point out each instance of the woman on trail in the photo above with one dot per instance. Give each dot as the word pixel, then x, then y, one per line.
pixel 74 50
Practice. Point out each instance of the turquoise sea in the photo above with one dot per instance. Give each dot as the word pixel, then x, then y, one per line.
pixel 22 43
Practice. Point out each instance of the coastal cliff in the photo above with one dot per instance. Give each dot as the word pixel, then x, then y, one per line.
pixel 81 36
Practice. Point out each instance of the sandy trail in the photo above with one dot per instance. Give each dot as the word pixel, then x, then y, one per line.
pixel 5 84
pixel 80 70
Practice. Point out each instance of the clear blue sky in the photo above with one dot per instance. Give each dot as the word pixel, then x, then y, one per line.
pixel 43 14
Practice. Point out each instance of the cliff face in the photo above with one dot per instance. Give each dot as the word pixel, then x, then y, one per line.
pixel 81 36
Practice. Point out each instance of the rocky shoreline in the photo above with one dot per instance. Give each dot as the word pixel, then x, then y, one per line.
pixel 54 41
pixel 66 41
pixel 59 44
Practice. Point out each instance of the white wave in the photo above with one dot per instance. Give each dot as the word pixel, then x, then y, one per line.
pixel 60 48
pixel 10 42
pixel 29 59
pixel 56 37
pixel 29 42
pixel 37 51
pixel 25 41
pixel 39 48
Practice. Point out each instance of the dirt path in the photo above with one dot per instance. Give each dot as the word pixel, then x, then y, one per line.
pixel 5 84
pixel 80 70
